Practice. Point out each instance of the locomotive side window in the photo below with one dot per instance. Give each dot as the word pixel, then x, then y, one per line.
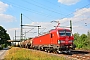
pixel 51 35
pixel 64 33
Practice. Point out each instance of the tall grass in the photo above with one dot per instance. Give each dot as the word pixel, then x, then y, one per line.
pixel 16 53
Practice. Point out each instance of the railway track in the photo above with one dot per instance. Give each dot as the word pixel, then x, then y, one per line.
pixel 80 55
pixel 74 55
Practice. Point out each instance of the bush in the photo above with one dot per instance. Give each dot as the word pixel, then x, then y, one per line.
pixel 82 41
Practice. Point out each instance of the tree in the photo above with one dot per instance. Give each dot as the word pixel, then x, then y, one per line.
pixel 80 40
pixel 4 36
pixel 83 40
pixel 76 36
pixel 88 39
pixel 76 39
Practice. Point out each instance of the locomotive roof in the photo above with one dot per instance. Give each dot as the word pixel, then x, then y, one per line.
pixel 53 30
pixel 58 29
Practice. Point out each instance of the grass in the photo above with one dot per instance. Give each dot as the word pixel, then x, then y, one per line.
pixel 16 53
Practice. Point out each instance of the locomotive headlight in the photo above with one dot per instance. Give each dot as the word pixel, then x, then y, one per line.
pixel 62 41
pixel 70 41
pixel 59 41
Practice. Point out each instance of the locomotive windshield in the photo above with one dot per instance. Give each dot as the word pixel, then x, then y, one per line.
pixel 64 33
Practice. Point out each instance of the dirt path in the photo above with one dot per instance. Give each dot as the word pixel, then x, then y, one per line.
pixel 2 53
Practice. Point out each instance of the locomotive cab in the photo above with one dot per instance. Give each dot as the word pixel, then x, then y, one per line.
pixel 65 37
pixel 65 40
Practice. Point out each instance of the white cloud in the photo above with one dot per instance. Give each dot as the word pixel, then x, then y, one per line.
pixel 80 20
pixel 68 2
pixel 5 17
pixel 3 7
pixel 85 12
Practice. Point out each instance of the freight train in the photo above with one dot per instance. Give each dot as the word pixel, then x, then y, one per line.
pixel 57 40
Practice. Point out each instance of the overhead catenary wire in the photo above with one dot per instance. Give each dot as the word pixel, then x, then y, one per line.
pixel 30 10
pixel 33 21
pixel 43 7
pixel 71 12
pixel 34 11
pixel 48 6
pixel 62 18
pixel 56 5
pixel 66 9
pixel 80 20
pixel 52 3
pixel 79 15
pixel 42 13
pixel 75 10
pixel 27 17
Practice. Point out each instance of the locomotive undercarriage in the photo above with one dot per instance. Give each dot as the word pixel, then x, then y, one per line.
pixel 66 49
pixel 55 48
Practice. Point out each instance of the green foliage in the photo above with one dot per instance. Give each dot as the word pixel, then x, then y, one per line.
pixel 3 45
pixel 76 39
pixel 82 41
pixel 4 37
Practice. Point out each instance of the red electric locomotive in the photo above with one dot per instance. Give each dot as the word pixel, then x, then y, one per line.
pixel 56 40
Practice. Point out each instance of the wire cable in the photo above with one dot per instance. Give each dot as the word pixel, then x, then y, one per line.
pixel 27 17
pixel 42 7
pixel 30 10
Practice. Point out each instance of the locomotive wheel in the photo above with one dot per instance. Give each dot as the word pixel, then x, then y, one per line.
pixel 41 49
pixel 45 50
pixel 49 51
pixel 55 51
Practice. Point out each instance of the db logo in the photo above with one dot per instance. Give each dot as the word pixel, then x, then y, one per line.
pixel 66 39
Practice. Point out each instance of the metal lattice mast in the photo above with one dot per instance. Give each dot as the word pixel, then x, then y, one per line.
pixel 71 25
pixel 21 37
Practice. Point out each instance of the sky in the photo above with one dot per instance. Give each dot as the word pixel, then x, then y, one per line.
pixel 41 13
